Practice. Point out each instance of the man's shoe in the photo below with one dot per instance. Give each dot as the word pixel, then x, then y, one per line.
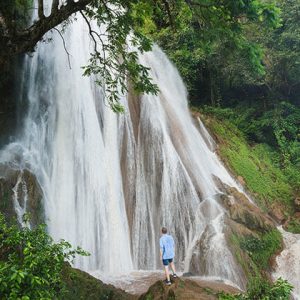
pixel 168 282
pixel 174 275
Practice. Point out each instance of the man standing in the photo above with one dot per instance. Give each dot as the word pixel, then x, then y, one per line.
pixel 167 253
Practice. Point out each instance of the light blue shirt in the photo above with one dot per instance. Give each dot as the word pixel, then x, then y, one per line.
pixel 166 243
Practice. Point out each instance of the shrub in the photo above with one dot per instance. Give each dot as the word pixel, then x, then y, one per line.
pixel 260 289
pixel 261 250
pixel 31 263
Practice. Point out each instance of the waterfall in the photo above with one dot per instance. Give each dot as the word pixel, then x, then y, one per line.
pixel 287 263
pixel 110 182
pixel 20 201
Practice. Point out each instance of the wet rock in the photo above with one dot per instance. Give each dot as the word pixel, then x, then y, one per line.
pixel 241 180
pixel 19 185
pixel 242 211
pixel 238 229
pixel 6 194
pixel 277 213
pixel 297 204
pixel 188 274
pixel 35 198
pixel 233 233
pixel 191 289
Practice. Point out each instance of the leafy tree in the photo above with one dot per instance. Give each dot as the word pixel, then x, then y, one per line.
pixel 282 59
pixel 204 29
pixel 31 263
pixel 115 56
pixel 210 44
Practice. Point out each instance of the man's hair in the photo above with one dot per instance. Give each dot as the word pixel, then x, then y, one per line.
pixel 164 230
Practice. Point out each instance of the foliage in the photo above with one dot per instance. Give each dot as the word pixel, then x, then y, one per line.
pixel 293 225
pixel 201 36
pixel 282 53
pixel 81 286
pixel 31 263
pixel 261 249
pixel 16 11
pixel 263 177
pixel 208 42
pixel 116 50
pixel 279 127
pixel 259 289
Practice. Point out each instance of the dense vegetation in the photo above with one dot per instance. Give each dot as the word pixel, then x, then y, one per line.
pixel 262 290
pixel 241 64
pixel 240 61
pixel 31 263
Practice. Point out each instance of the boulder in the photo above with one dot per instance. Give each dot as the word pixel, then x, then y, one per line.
pixel 242 211
pixel 81 285
pixel 187 288
pixel 16 187
pixel 297 204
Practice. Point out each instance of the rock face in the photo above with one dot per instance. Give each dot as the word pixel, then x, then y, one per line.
pixel 19 188
pixel 277 213
pixel 80 285
pixel 242 211
pixel 242 221
pixel 183 289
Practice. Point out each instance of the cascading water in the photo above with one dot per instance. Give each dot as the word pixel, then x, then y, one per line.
pixel 110 182
pixel 288 264
pixel 70 143
pixel 20 208
pixel 175 171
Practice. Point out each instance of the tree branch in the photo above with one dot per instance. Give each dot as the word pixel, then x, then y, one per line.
pixel 90 31
pixel 41 9
pixel 64 44
pixel 54 7
pixel 25 40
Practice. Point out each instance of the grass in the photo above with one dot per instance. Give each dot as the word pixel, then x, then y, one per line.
pixel 263 178
pixel 248 265
pixel 293 226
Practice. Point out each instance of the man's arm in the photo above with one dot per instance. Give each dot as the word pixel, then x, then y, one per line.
pixel 173 246
pixel 161 245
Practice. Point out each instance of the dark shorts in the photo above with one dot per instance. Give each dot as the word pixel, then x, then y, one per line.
pixel 167 261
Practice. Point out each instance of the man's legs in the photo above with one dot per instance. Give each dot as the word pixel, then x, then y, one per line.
pixel 173 267
pixel 167 273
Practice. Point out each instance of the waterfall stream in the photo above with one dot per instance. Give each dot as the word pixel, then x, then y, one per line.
pixel 288 263
pixel 111 181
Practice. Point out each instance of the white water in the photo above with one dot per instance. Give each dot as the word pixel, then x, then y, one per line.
pixel 110 182
pixel 288 263
pixel 20 201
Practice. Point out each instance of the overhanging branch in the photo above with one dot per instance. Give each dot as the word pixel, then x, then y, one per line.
pixel 25 41
pixel 41 9
pixel 54 7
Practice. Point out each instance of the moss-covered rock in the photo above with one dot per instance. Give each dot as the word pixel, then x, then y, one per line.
pixel 242 211
pixel 254 164
pixel 81 285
